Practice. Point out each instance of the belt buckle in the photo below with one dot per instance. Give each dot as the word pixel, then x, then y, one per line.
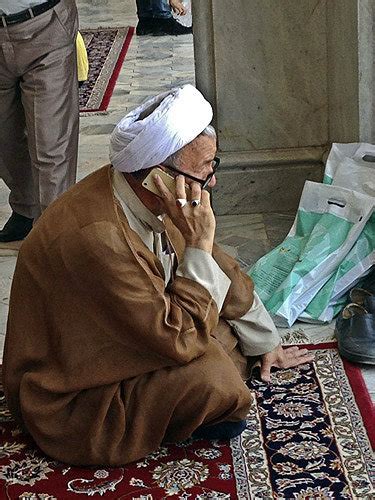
pixel 3 21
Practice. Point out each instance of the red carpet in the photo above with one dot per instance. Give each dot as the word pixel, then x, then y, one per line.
pixel 305 439
pixel 106 50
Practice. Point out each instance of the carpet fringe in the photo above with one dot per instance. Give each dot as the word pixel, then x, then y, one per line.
pixel 90 113
pixel 304 333
pixel 106 28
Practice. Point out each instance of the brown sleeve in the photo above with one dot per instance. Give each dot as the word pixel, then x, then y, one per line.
pixel 124 289
pixel 240 296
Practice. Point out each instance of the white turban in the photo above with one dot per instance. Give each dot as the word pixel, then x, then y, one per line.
pixel 174 119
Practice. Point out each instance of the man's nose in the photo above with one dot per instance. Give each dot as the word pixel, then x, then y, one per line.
pixel 212 182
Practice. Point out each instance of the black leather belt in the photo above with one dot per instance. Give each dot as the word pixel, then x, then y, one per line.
pixel 27 14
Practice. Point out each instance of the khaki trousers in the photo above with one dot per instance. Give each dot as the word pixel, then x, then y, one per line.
pixel 39 115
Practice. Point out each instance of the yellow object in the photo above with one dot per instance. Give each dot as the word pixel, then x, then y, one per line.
pixel 82 60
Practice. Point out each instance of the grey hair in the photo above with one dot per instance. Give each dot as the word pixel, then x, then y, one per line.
pixel 209 131
pixel 173 159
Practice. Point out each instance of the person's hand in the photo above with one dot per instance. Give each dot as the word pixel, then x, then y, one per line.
pixel 177 7
pixel 196 223
pixel 283 358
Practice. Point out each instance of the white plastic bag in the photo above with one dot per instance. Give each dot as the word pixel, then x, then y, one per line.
pixel 357 263
pixel 352 166
pixel 328 222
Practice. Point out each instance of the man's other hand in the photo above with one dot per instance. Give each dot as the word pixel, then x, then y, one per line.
pixel 283 358
pixel 177 7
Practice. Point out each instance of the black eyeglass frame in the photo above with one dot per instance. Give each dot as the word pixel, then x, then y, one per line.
pixel 203 182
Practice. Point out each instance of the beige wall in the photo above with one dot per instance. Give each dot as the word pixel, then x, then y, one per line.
pixel 286 78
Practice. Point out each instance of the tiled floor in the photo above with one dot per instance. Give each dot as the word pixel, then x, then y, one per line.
pixel 152 65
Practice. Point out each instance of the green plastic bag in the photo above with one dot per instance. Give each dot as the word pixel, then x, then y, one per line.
pixel 351 166
pixel 358 262
pixel 328 222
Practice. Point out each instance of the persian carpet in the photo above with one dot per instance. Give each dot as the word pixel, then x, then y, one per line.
pixel 106 50
pixel 308 436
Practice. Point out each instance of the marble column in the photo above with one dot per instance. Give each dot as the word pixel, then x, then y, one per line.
pixel 286 79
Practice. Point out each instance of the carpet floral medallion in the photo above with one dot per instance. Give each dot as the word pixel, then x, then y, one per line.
pixel 308 436
pixel 106 50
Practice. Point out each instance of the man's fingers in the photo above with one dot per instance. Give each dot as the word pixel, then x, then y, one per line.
pixel 293 350
pixel 307 358
pixel 302 352
pixel 196 191
pixel 180 187
pixel 205 198
pixel 164 191
pixel 299 359
pixel 284 358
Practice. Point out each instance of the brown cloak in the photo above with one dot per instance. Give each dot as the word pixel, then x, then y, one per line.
pixel 101 362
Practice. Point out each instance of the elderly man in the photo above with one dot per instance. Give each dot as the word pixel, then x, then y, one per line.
pixel 128 327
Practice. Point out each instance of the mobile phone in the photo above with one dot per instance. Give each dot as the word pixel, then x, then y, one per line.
pixel 169 181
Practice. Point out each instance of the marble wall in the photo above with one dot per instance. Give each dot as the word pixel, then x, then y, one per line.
pixel 283 75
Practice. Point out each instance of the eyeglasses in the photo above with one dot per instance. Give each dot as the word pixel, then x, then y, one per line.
pixel 203 182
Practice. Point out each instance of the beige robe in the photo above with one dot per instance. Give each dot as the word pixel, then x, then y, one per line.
pixel 102 363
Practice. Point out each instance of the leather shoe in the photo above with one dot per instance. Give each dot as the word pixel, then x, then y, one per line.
pixel 158 26
pixel 17 228
pixel 145 26
pixel 358 295
pixel 222 430
pixel 169 26
pixel 355 331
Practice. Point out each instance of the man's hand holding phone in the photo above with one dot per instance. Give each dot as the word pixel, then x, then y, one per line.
pixel 195 219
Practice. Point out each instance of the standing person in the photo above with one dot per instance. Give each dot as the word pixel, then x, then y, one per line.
pixel 155 18
pixel 38 106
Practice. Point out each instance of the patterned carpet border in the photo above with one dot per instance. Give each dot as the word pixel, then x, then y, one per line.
pixel 305 439
pixel 106 50
pixel 359 391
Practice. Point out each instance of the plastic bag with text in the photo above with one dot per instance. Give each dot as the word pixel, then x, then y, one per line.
pixel 358 262
pixel 328 223
pixel 351 166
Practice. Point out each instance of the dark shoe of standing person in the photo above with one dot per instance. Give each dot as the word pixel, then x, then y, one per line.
pixel 169 26
pixel 17 228
pixel 159 26
pixel 355 332
pixel 145 26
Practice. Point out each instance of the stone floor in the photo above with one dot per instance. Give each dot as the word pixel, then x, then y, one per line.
pixel 152 65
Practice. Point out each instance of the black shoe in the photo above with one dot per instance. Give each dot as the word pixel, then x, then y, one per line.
pixel 17 228
pixel 170 26
pixel 145 26
pixel 355 332
pixel 222 430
